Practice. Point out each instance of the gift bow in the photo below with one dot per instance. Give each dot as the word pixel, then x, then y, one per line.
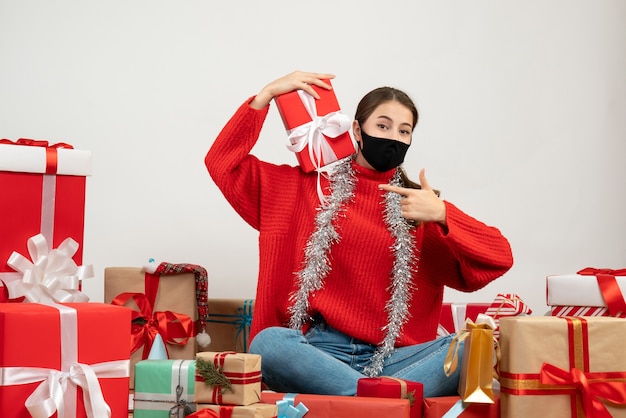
pixel 608 287
pixel 49 276
pixel 35 143
pixel 181 404
pixel 170 325
pixel 48 396
pixel 313 134
pixel 452 357
pixel 286 408
pixel 591 389
pixel 51 150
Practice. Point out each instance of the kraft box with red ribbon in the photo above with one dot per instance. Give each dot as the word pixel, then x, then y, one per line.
pixel 317 129
pixel 391 387
pixel 324 406
pixel 228 378
pixel 64 360
pixel 589 292
pixel 563 367
pixel 167 299
pixel 43 192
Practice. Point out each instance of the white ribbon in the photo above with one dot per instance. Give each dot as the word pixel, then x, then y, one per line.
pixel 49 276
pixel 313 135
pixel 58 386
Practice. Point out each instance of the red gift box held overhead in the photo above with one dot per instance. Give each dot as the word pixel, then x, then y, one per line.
pixel 318 131
pixel 43 191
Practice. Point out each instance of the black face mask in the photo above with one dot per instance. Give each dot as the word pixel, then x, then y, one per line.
pixel 382 154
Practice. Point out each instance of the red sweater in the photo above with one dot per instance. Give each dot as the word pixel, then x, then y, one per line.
pixel 280 202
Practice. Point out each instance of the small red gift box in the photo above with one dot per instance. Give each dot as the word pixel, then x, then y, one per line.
pixel 323 406
pixel 43 191
pixel 318 131
pixel 85 347
pixel 437 407
pixel 391 387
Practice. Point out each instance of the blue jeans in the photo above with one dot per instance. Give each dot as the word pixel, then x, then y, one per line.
pixel 325 361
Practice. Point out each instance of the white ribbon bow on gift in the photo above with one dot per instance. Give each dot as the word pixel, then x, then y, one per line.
pixel 51 276
pixel 312 135
pixel 48 398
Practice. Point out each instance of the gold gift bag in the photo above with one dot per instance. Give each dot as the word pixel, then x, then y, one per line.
pixel 477 364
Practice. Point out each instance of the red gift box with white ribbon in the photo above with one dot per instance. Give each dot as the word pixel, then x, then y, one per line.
pixel 318 130
pixel 43 192
pixel 64 359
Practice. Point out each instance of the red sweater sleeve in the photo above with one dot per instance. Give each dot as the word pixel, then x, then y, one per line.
pixel 233 169
pixel 467 256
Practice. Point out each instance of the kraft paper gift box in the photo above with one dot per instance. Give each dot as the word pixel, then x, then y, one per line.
pixel 228 324
pixel 563 367
pixel 174 303
pixel 318 131
pixel 324 406
pixel 228 378
pixel 256 410
pixel 43 192
pixel 81 345
pixel 164 388
pixel 438 407
pixel 589 292
pixel 391 387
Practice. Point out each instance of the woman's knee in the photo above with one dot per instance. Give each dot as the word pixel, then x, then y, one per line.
pixel 274 342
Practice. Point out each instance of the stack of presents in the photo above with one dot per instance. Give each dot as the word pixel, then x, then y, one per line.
pixel 158 346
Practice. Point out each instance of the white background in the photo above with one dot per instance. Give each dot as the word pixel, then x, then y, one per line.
pixel 522 116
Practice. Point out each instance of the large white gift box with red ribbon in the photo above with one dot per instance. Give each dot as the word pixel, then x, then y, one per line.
pixel 589 292
pixel 43 192
pixel 317 129
pixel 64 360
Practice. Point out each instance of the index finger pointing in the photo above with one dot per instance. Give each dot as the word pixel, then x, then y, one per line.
pixel 390 188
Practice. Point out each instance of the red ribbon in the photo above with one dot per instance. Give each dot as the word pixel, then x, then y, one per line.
pixel 235 378
pixel 51 150
pixel 204 413
pixel 609 288
pixel 172 326
pixel 591 386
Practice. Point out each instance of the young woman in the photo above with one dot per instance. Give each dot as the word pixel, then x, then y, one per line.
pixel 352 288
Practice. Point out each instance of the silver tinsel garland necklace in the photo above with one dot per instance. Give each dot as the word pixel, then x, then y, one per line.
pixel 316 260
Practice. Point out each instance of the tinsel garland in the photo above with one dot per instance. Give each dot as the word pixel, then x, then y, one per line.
pixel 316 266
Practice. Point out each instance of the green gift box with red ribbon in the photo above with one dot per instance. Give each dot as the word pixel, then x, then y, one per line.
pixel 43 192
